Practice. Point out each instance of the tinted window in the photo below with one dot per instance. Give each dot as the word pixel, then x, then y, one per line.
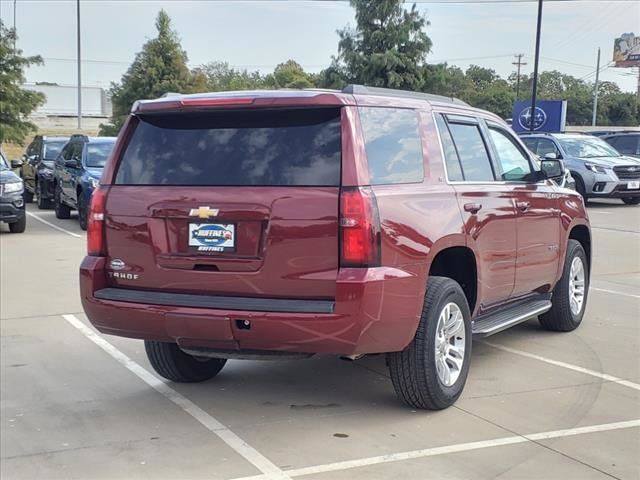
pixel 52 149
pixel 627 144
pixel 454 171
pixel 253 147
pixel 513 163
pixel 392 142
pixel 474 158
pixel 546 146
pixel 97 154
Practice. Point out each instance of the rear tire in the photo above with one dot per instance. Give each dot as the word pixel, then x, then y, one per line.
pixel 27 196
pixel 62 211
pixel 82 211
pixel 19 226
pixel 173 364
pixel 563 316
pixel 631 201
pixel 415 376
pixel 43 203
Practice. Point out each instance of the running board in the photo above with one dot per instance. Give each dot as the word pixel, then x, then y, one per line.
pixel 489 324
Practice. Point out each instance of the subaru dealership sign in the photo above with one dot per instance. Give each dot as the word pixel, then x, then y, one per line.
pixel 548 116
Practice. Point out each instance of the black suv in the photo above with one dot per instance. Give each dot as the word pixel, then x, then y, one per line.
pixel 11 201
pixel 37 169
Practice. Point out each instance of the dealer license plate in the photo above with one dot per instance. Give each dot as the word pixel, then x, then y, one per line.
pixel 212 237
pixel 633 185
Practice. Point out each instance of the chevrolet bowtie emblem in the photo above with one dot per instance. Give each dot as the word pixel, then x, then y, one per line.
pixel 203 212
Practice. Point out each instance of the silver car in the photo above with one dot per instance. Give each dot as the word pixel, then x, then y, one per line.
pixel 598 169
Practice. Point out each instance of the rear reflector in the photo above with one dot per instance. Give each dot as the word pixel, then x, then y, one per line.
pixel 95 222
pixel 359 228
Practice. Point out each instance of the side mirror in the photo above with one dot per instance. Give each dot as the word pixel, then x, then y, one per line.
pixel 552 167
pixel 17 163
pixel 73 163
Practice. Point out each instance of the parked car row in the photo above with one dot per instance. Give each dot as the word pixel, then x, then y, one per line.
pixel 598 169
pixel 62 172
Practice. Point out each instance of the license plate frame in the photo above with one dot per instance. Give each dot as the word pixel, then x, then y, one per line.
pixel 212 237
pixel 634 185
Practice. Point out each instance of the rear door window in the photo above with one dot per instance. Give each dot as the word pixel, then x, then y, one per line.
pixel 626 144
pixel 279 147
pixel 392 143
pixel 454 170
pixel 474 158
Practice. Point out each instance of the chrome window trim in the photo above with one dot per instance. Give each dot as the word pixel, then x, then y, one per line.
pixel 444 163
pixel 469 182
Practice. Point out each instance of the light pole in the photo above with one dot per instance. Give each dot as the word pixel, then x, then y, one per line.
pixel 595 92
pixel 15 32
pixel 79 69
pixel 534 93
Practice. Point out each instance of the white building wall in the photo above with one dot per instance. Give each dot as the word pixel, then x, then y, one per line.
pixel 62 100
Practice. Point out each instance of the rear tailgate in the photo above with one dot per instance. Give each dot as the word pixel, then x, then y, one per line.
pixel 228 202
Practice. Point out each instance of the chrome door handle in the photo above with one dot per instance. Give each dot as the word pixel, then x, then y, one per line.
pixel 523 205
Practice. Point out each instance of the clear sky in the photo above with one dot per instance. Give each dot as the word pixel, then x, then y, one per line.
pixel 261 34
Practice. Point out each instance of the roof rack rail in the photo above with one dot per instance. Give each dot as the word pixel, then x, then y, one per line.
pixel 80 136
pixel 392 92
pixel 536 133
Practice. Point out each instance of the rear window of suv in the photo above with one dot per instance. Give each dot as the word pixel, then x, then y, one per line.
pixel 279 147
pixel 392 143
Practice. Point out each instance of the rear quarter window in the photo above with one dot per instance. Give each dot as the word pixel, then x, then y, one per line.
pixel 392 144
pixel 278 147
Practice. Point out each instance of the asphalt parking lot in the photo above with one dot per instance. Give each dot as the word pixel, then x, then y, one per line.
pixel 537 405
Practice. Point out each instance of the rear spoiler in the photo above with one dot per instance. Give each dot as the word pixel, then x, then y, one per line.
pixel 280 98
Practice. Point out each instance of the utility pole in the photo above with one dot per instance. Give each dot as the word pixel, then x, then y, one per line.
pixel 595 92
pixel 15 32
pixel 79 69
pixel 536 61
pixel 519 64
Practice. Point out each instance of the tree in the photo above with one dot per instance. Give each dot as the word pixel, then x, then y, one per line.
pixel 16 103
pixel 160 67
pixel 289 74
pixel 219 76
pixel 387 48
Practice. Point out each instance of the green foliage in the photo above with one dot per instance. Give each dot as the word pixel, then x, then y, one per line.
pixel 289 75
pixel 219 76
pixel 160 67
pixel 387 48
pixel 15 102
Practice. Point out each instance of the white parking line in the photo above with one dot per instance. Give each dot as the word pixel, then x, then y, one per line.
pixel 461 447
pixel 40 219
pixel 569 366
pixel 615 292
pixel 270 470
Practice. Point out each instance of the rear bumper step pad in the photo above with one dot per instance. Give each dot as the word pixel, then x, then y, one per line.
pixel 215 302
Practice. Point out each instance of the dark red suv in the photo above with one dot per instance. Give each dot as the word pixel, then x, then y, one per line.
pixel 279 224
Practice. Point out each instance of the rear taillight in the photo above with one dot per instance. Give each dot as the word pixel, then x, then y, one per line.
pixel 95 222
pixel 359 228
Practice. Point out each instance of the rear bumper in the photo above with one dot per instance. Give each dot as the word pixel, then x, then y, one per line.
pixel 375 310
